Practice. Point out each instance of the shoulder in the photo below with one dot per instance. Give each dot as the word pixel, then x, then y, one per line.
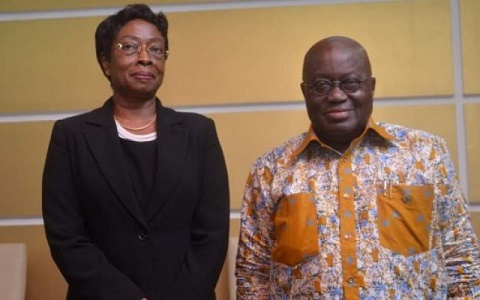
pixel 281 154
pixel 199 127
pixel 79 117
pixel 75 120
pixel 185 118
pixel 415 139
pixel 402 133
pixel 98 117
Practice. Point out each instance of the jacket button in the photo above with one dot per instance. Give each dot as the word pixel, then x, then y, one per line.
pixel 143 236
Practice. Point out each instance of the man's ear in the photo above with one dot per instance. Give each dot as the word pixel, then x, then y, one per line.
pixel 105 66
pixel 304 90
pixel 374 81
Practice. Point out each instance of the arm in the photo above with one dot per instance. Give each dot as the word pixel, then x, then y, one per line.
pixel 83 265
pixel 254 247
pixel 210 227
pixel 460 245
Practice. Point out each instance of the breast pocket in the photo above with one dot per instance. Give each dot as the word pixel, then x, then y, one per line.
pixel 404 218
pixel 296 231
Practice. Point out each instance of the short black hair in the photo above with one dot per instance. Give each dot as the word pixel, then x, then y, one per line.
pixel 108 29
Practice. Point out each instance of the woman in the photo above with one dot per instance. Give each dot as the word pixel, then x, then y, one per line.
pixel 135 195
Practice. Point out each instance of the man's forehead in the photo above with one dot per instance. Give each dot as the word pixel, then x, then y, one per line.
pixel 334 49
pixel 336 52
pixel 338 57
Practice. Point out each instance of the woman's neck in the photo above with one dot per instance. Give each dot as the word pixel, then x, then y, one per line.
pixel 136 117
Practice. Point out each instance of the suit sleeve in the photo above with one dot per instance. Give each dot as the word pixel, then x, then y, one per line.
pixel 210 228
pixel 82 264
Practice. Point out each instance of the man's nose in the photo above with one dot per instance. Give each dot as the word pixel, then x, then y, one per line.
pixel 336 93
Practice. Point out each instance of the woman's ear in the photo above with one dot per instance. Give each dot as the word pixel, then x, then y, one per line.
pixel 105 63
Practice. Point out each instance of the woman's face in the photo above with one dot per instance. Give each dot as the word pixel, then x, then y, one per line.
pixel 133 74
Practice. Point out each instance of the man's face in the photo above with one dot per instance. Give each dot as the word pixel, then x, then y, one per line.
pixel 338 117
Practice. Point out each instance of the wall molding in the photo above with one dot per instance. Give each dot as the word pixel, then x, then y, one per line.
pixel 248 107
pixel 105 11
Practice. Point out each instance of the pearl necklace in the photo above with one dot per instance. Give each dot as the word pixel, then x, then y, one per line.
pixel 137 128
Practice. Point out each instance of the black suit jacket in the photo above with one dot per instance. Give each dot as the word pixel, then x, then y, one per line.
pixel 102 241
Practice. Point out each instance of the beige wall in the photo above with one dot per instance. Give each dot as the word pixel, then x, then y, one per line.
pixel 242 67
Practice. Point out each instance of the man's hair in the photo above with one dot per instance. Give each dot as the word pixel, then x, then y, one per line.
pixel 108 29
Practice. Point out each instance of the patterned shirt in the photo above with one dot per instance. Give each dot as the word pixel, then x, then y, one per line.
pixel 384 220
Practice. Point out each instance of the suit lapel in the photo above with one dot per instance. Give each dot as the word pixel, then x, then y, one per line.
pixel 172 140
pixel 102 138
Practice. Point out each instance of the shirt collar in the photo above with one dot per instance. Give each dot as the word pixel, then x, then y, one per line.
pixel 371 126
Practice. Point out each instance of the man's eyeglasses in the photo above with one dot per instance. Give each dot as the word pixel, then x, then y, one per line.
pixel 322 87
pixel 155 49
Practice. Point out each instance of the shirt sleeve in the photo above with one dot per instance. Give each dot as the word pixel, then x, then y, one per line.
pixel 460 244
pixel 255 242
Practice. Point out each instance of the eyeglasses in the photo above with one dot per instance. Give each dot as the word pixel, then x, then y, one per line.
pixel 155 49
pixel 322 87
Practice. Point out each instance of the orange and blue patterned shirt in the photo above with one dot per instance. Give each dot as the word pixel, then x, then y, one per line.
pixel 384 220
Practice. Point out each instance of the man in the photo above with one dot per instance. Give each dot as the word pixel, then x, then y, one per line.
pixel 354 209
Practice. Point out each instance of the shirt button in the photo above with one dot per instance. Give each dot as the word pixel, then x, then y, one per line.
pixel 350 280
pixel 347 236
pixel 346 195
pixel 143 236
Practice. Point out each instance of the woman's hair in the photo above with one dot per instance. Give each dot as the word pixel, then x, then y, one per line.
pixel 108 29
